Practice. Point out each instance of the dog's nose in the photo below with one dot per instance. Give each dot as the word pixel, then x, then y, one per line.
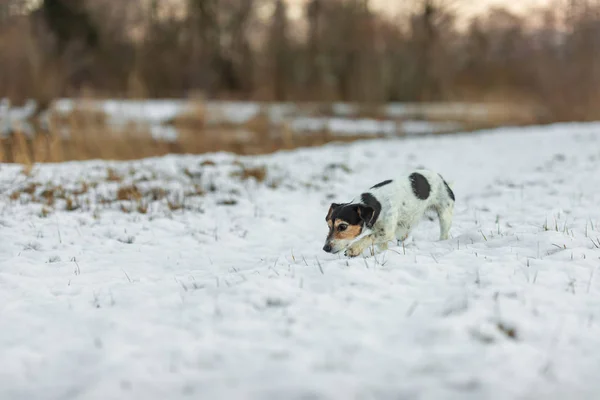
pixel 327 248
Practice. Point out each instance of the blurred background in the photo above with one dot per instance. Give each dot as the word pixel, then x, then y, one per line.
pixel 118 79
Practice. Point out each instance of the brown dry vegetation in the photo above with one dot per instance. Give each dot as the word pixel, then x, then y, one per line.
pixel 133 190
pixel 341 50
pixel 85 145
pixel 86 133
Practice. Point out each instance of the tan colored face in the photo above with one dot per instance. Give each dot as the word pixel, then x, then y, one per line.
pixel 341 233
pixel 344 231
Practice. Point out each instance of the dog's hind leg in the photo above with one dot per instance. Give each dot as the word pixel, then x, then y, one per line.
pixel 445 215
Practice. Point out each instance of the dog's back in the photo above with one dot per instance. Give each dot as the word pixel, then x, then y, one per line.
pixel 409 196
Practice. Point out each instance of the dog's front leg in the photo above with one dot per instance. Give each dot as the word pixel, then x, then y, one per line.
pixel 384 236
pixel 380 237
pixel 357 248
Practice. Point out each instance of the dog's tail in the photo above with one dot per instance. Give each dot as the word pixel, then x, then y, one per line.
pixel 449 187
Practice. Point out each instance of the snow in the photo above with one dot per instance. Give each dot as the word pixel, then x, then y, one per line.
pixel 456 110
pixel 164 132
pixel 239 301
pixel 141 111
pixel 428 127
pixel 158 116
pixel 159 111
pixel 345 127
pixel 370 127
pixel 15 118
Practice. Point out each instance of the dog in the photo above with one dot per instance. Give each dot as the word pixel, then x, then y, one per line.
pixel 389 211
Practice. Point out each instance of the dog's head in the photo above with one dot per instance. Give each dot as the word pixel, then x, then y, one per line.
pixel 346 222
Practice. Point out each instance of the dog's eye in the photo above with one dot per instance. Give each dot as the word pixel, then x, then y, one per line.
pixel 342 228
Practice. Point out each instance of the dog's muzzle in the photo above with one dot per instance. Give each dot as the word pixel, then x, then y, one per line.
pixel 327 248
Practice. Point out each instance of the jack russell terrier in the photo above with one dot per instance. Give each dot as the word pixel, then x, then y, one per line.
pixel 388 211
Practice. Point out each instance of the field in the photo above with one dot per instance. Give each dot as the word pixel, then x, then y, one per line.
pixel 84 129
pixel 203 276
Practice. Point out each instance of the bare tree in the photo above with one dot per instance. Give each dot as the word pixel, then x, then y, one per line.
pixel 278 50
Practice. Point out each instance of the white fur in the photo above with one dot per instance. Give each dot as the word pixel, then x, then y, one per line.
pixel 401 211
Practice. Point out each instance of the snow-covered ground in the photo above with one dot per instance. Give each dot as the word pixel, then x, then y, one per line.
pixel 367 126
pixel 227 293
pixel 239 112
pixel 343 119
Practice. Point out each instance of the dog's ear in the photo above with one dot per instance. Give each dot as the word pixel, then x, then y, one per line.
pixel 366 215
pixel 332 208
pixel 369 211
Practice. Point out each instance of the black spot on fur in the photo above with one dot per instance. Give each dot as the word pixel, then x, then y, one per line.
pixel 370 209
pixel 380 184
pixel 420 186
pixel 450 192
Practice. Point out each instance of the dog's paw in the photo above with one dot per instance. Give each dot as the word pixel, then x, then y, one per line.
pixel 352 252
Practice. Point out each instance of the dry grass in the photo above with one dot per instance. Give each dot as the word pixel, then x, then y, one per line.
pixel 245 172
pixel 85 133
pixel 127 197
pixel 193 118
pixel 135 190
pixel 22 150
pixel 130 193
pixel 94 144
